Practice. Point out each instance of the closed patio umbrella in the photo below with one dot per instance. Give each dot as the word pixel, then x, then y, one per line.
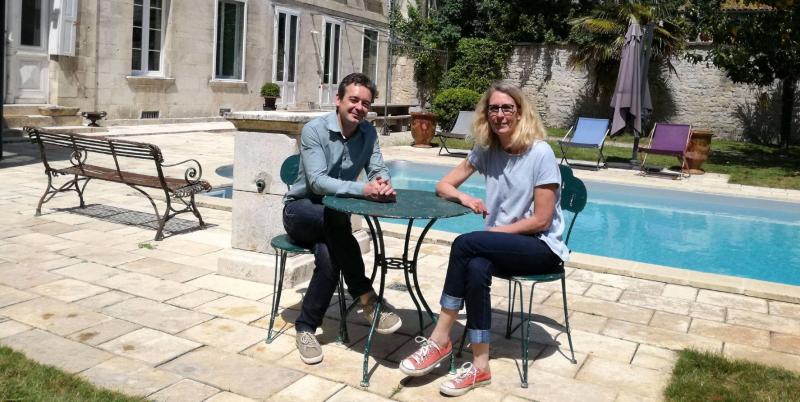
pixel 632 93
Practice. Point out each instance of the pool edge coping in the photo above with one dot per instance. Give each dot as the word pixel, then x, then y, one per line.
pixel 640 270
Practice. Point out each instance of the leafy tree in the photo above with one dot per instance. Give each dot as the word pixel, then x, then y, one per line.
pixel 599 37
pixel 758 46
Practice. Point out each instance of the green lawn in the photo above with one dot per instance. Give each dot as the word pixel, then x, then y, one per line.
pixel 700 376
pixel 749 164
pixel 22 379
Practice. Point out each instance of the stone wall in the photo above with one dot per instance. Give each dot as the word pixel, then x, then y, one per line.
pixel 699 95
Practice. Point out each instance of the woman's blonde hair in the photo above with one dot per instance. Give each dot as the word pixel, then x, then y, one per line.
pixel 528 130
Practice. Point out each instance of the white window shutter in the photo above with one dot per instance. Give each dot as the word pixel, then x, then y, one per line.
pixel 63 28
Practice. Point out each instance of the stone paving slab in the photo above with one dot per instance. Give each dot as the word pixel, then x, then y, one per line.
pixel 643 381
pixel 659 337
pixel 226 335
pixel 103 300
pixel 233 286
pixel 23 278
pixel 9 296
pixel 228 397
pixel 156 315
pixel 52 315
pixel 46 348
pixel 104 332
pixel 196 298
pixel 164 269
pixel 239 374
pixel 11 327
pixel 235 308
pixel 68 290
pixel 146 286
pixel 150 346
pixel 308 388
pixel 764 321
pixel 129 376
pixel 88 271
pixel 184 391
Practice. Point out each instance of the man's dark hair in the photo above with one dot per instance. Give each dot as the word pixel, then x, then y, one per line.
pixel 358 79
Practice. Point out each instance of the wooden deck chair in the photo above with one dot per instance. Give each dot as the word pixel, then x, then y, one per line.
pixel 668 139
pixel 586 133
pixel 461 129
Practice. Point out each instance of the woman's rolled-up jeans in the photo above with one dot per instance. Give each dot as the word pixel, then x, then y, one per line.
pixel 476 257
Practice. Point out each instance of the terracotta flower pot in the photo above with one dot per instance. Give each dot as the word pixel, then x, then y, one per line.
pixel 423 127
pixel 698 149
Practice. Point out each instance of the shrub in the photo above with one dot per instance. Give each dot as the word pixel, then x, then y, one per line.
pixel 761 119
pixel 478 63
pixel 449 102
pixel 271 89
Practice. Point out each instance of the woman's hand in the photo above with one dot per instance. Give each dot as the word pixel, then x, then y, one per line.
pixel 475 204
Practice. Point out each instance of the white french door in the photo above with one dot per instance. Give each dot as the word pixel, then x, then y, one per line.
pixel 330 62
pixel 26 57
pixel 285 54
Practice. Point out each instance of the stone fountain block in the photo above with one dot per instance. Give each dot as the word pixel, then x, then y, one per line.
pixel 260 156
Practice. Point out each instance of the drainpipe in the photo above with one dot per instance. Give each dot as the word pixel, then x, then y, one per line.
pixel 97 56
pixel 387 94
pixel 3 70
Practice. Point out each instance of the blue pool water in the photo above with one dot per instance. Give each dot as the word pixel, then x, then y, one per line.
pixel 744 237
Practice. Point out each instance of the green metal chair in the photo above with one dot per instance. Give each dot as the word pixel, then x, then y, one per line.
pixel 284 245
pixel 573 200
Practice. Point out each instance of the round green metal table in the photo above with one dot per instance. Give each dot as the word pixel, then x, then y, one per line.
pixel 410 205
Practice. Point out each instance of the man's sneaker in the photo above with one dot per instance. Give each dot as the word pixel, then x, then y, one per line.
pixel 388 322
pixel 469 377
pixel 307 345
pixel 426 358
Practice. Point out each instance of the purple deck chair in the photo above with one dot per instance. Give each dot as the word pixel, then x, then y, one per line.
pixel 668 139
pixel 588 133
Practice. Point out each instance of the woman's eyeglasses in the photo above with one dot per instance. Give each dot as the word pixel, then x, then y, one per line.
pixel 507 109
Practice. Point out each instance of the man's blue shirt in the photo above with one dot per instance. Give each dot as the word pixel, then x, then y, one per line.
pixel 330 164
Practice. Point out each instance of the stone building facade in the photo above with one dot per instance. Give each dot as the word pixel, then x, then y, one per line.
pixel 179 58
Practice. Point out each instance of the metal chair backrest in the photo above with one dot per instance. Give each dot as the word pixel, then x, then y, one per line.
pixel 290 169
pixel 573 196
pixel 590 131
pixel 463 124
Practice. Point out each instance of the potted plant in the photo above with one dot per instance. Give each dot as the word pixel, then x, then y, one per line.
pixel 270 91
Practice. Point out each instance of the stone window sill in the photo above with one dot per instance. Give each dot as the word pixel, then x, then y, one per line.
pixel 149 80
pixel 217 83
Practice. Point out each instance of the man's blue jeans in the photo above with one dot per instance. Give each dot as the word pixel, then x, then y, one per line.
pixel 476 257
pixel 329 235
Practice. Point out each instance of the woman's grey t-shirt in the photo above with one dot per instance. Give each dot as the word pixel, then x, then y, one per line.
pixel 510 180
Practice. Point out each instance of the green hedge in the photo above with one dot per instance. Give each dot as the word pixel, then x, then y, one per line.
pixel 449 102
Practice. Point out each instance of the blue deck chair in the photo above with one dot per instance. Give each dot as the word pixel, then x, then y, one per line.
pixel 461 129
pixel 586 133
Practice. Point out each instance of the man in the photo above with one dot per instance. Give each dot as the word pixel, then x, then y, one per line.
pixel 334 150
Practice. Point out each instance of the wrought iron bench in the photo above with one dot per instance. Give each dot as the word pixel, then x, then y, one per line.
pixel 175 189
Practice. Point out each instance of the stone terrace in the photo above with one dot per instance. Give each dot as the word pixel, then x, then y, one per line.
pixel 90 292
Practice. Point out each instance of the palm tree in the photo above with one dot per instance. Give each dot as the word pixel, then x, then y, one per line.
pixel 599 37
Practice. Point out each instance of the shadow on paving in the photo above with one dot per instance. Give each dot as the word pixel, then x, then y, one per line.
pixel 25 153
pixel 136 218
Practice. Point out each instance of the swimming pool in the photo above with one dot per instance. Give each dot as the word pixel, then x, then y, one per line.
pixel 751 238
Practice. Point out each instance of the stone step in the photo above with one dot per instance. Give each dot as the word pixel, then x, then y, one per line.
pixel 37 120
pixel 166 120
pixel 260 267
pixel 22 109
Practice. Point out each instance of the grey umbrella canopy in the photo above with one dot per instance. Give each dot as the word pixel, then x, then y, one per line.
pixel 632 93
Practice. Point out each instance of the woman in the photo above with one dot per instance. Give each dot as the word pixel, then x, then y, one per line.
pixel 523 232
